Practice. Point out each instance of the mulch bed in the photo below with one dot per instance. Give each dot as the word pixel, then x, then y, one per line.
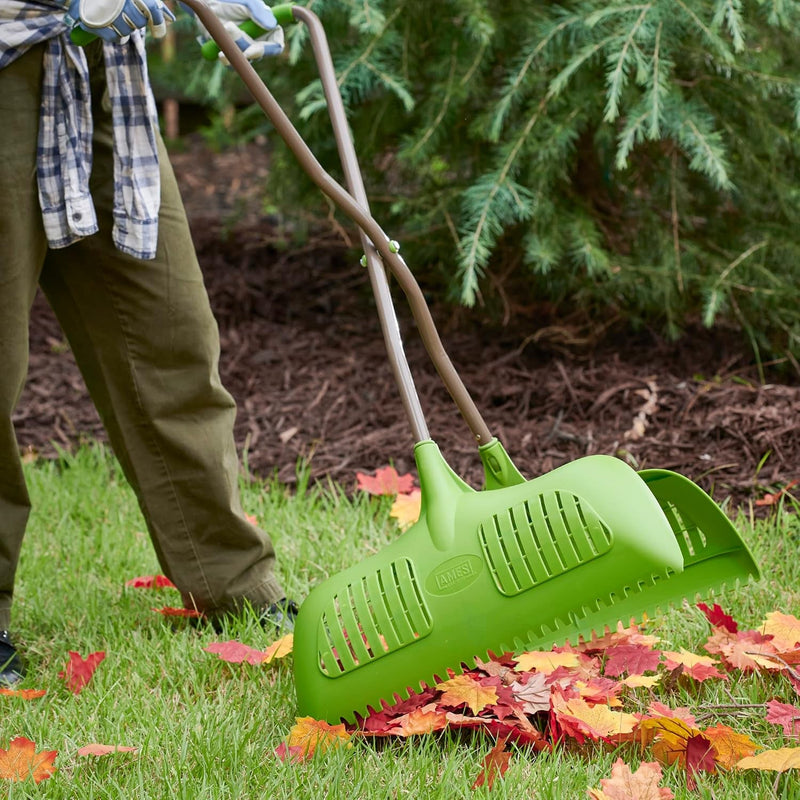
pixel 303 355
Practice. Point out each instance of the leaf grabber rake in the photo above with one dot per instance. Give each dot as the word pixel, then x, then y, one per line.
pixel 518 565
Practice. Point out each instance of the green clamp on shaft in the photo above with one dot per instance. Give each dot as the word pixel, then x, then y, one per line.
pixel 283 15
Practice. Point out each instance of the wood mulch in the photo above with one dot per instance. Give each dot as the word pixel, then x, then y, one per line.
pixel 303 356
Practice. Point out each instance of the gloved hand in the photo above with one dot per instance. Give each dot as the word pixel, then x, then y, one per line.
pixel 233 12
pixel 113 20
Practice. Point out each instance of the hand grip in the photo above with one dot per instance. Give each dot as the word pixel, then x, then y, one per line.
pixel 283 14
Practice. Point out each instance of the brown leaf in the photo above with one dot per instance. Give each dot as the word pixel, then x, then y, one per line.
pixel 495 764
pixel 626 785
pixel 21 761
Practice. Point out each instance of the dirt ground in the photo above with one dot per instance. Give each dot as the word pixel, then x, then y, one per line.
pixel 303 356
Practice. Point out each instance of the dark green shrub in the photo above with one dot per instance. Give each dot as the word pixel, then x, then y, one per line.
pixel 629 158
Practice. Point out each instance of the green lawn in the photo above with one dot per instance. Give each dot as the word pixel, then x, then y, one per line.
pixel 207 729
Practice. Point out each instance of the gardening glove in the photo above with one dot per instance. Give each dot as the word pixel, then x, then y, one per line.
pixel 115 20
pixel 254 45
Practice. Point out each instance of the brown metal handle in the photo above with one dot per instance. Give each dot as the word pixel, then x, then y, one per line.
pixel 358 214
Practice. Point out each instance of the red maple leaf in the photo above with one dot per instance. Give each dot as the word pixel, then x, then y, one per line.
pixel 151 582
pixel 495 764
pixel 771 499
pixel 718 618
pixel 788 717
pixel 385 481
pixel 79 670
pixel 635 659
pixel 700 757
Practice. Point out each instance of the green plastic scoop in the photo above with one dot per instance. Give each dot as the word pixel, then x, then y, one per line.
pixel 518 565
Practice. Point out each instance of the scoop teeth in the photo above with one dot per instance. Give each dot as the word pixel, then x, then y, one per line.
pixel 560 630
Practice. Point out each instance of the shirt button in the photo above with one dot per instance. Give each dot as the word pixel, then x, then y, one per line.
pixel 77 216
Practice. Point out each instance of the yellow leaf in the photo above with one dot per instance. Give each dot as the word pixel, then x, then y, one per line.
pixel 465 689
pixel 545 661
pixel 312 735
pixel 406 508
pixel 282 647
pixel 598 722
pixel 775 760
pixel 641 681
pixel 785 630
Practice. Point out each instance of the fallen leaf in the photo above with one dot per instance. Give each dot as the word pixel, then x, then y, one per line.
pixel 21 761
pixel 235 652
pixel 784 629
pixel 79 670
pixel 700 668
pixel 150 582
pixel 495 765
pixel 171 611
pixel 534 694
pixel 771 499
pixel 774 760
pixel 280 648
pixel 385 481
pixel 670 735
pixel 313 735
pixel 641 681
pixel 626 785
pixel 465 689
pixel 545 661
pixel 788 717
pixel 25 694
pixel 729 746
pixel 700 757
pixel 579 719
pixel 718 618
pixel 635 659
pixel 406 508
pixel 747 650
pixel 427 719
pixel 105 749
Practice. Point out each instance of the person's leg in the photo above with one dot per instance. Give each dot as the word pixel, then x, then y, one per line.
pixel 22 252
pixel 147 344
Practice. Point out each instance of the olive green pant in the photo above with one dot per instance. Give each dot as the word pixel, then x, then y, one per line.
pixel 144 337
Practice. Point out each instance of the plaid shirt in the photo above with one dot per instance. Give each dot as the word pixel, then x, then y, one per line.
pixel 64 153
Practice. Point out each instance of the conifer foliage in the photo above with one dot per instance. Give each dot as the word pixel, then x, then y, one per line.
pixel 634 158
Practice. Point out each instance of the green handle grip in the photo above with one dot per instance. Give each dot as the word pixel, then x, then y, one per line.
pixel 283 15
pixel 81 37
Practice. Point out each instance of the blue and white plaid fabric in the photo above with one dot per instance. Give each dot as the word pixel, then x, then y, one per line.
pixel 64 159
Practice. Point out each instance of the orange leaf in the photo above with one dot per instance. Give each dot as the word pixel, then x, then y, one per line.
pixel 21 761
pixel 465 689
pixel 150 582
pixel 698 667
pixel 25 694
pixel 771 499
pixel 104 749
pixel 79 670
pixel 671 737
pixel 545 661
pixel 775 760
pixel 406 508
pixel 171 611
pixel 730 746
pixel 495 764
pixel 280 648
pixel 421 720
pixel 784 629
pixel 312 735
pixel 386 481
pixel 626 785
pixel 579 719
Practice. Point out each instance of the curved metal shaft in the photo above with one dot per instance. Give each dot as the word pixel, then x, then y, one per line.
pixel 356 212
